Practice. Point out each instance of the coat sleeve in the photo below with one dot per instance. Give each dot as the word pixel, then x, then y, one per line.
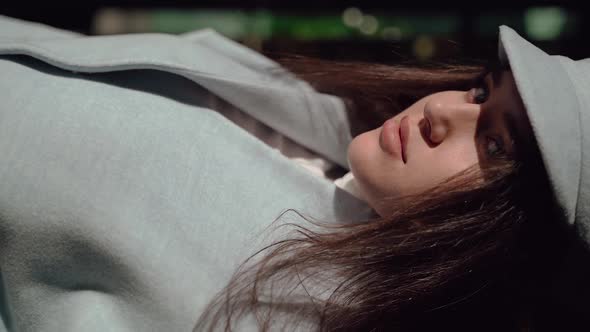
pixel 315 120
pixel 242 77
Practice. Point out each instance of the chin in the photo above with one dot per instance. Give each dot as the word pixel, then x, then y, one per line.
pixel 360 153
pixel 365 158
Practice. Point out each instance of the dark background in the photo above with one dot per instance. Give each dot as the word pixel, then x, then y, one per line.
pixel 406 30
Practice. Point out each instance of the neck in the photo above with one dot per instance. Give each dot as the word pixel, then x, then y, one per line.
pixel 349 184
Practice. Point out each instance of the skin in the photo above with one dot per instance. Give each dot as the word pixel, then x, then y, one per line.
pixel 466 128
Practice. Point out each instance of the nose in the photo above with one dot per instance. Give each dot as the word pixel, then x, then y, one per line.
pixel 446 116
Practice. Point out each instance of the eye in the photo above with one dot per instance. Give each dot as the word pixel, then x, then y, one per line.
pixel 494 147
pixel 480 92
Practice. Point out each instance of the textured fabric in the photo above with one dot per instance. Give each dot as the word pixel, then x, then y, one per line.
pixel 304 157
pixel 350 185
pixel 299 154
pixel 556 94
pixel 555 114
pixel 126 201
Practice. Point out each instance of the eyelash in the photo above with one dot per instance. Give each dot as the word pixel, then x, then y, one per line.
pixel 481 84
pixel 499 144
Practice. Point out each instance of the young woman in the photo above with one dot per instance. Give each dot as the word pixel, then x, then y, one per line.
pixel 128 201
pixel 470 234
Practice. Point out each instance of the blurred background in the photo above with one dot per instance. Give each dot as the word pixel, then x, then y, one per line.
pixel 346 30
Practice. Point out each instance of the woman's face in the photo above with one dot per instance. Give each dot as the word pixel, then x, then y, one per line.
pixel 445 133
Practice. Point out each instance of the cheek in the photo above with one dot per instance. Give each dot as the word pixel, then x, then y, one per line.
pixel 441 164
pixel 378 176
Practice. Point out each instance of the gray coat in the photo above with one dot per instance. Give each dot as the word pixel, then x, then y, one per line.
pixel 126 202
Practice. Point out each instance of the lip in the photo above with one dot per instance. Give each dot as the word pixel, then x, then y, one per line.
pixel 390 139
pixel 404 133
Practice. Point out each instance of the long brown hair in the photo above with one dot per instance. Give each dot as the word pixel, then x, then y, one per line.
pixel 463 256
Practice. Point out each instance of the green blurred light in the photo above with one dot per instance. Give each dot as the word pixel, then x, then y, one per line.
pixel 310 27
pixel 352 17
pixel 260 24
pixel 230 23
pixel 391 33
pixel 264 24
pixel 369 25
pixel 545 23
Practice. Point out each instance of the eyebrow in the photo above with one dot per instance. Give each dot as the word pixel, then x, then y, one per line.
pixel 496 79
pixel 495 68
